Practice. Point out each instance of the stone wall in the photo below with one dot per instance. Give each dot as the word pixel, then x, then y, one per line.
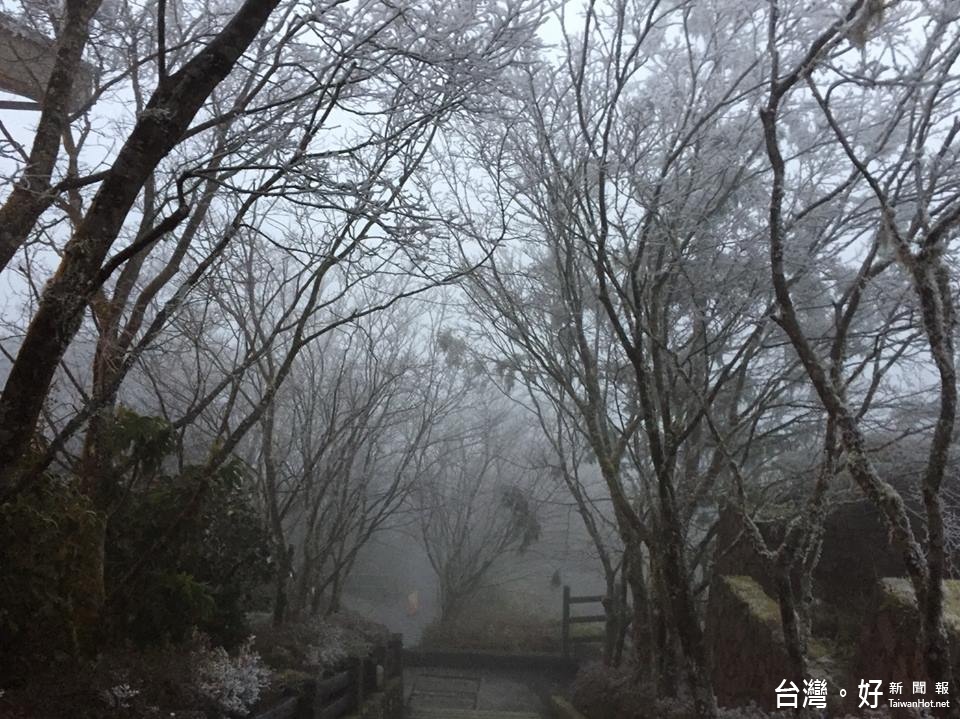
pixel 856 554
pixel 749 659
pixel 889 644
pixel 744 635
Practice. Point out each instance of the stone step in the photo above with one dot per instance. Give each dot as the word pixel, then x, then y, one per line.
pixel 438 713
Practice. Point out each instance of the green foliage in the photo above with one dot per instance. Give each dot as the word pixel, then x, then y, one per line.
pixel 176 603
pixel 142 441
pixel 207 551
pixel 137 552
pixel 50 544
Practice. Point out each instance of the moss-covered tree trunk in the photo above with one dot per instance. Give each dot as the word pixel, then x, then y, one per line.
pixel 681 604
pixel 663 646
pixel 790 623
pixel 636 579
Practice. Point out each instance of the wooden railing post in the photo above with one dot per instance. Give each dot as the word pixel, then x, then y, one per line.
pixel 344 693
pixel 359 675
pixel 378 660
pixel 307 706
pixel 393 659
pixel 369 676
pixel 565 631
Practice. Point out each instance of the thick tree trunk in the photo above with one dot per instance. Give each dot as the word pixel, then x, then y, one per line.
pixel 682 607
pixel 307 578
pixel 666 657
pixel 611 625
pixel 937 658
pixel 625 620
pixel 336 592
pixel 316 601
pixel 449 604
pixel 789 621
pixel 933 286
pixel 663 650
pixel 642 633
pixel 281 600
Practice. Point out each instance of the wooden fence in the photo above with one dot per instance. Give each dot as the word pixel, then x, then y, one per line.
pixel 565 639
pixel 338 694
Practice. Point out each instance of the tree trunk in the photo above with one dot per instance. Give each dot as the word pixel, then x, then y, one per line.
pixel 611 625
pixel 663 647
pixel 642 633
pixel 682 608
pixel 625 621
pixel 336 590
pixel 789 621
pixel 280 599
pixel 306 580
pixel 936 646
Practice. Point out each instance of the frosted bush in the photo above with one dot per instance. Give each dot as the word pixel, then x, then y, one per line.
pixel 331 647
pixel 120 696
pixel 232 683
pixel 332 642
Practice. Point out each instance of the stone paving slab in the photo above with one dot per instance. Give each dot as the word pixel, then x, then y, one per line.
pixel 444 693
pixel 458 682
pixel 424 713
pixel 436 689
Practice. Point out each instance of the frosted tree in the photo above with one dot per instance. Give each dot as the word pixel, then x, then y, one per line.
pixel 888 106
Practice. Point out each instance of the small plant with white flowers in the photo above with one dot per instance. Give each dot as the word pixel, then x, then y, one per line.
pixel 232 683
pixel 120 696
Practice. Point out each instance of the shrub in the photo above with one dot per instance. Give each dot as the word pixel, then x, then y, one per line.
pixel 325 643
pixel 231 683
pixel 208 549
pixel 50 543
pixel 180 550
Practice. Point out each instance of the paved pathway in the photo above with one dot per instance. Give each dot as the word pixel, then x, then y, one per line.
pixel 467 714
pixel 437 693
